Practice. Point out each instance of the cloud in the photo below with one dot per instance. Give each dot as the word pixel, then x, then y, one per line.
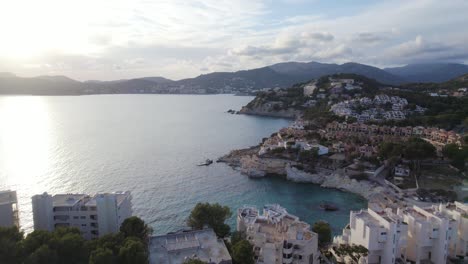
pixel 179 39
pixel 421 50
pixel 318 36
pixel 369 38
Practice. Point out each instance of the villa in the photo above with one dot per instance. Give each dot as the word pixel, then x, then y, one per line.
pixel 184 245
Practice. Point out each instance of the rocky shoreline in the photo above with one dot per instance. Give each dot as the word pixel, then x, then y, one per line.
pixel 250 164
pixel 336 180
pixel 289 113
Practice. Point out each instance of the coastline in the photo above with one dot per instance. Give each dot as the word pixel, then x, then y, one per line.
pixel 249 164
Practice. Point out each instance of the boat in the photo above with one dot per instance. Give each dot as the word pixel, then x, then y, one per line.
pixel 328 206
pixel 206 163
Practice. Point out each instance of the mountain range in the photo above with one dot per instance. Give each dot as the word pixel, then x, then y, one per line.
pixel 245 81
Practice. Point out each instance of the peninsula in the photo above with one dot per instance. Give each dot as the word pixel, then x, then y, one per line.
pixel 404 144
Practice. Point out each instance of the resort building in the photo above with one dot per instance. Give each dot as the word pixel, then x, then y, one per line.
pixel 458 212
pixel 382 233
pixel 429 234
pixel 95 216
pixel 409 234
pixel 277 236
pixel 182 246
pixel 8 209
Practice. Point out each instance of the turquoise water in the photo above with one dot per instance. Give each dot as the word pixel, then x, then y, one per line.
pixel 150 145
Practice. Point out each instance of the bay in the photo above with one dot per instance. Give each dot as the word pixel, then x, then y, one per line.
pixel 149 145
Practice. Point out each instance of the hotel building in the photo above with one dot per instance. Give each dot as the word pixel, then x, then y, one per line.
pixel 8 209
pixel 277 236
pixel 381 232
pixel 95 216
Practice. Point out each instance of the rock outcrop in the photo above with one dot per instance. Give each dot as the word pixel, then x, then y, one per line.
pixel 253 166
pixel 264 111
pixel 336 179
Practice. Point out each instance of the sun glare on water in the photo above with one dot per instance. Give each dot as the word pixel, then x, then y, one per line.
pixel 24 139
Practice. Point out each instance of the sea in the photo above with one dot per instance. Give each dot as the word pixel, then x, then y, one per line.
pixel 149 145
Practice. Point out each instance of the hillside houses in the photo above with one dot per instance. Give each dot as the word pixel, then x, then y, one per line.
pixel 375 133
pixel 381 107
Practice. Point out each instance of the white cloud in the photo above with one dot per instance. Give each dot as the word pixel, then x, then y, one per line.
pixel 113 39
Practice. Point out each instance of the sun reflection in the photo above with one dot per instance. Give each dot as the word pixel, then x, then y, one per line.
pixel 24 140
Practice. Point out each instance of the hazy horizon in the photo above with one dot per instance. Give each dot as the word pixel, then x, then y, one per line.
pixel 123 39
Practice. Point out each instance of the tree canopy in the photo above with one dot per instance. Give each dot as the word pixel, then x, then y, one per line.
pixel 66 245
pixel 135 227
pixel 211 215
pixel 418 149
pixel 324 232
pixel 413 149
pixel 242 252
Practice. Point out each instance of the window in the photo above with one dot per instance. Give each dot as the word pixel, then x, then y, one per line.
pixel 83 217
pixel 75 217
pixel 83 224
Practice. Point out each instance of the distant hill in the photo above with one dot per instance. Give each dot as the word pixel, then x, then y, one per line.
pixel 43 85
pixel 312 70
pixel 281 75
pixel 430 72
pixel 7 75
pixel 451 85
pixel 157 79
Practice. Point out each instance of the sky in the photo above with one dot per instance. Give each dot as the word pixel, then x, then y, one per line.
pixel 120 39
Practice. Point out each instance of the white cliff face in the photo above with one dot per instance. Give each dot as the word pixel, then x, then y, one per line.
pixel 256 167
pixel 253 166
pixel 336 180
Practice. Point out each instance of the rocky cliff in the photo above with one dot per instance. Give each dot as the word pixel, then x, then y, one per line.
pixel 265 111
pixel 336 179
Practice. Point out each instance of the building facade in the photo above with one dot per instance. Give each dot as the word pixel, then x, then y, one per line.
pixel 428 235
pixel 410 234
pixel 277 236
pixel 8 209
pixel 95 216
pixel 382 233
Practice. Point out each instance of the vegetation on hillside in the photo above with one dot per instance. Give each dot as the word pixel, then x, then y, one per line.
pixel 66 245
pixel 443 112
pixel 456 83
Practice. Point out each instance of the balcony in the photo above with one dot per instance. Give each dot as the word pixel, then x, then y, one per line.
pixel 62 217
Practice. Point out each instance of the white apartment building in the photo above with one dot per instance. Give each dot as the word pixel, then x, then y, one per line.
pixel 8 209
pixel 458 235
pixel 382 233
pixel 309 89
pixel 95 216
pixel 429 234
pixel 278 237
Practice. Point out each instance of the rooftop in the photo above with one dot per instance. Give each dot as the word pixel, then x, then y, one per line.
pixel 68 199
pixel 7 197
pixel 178 247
